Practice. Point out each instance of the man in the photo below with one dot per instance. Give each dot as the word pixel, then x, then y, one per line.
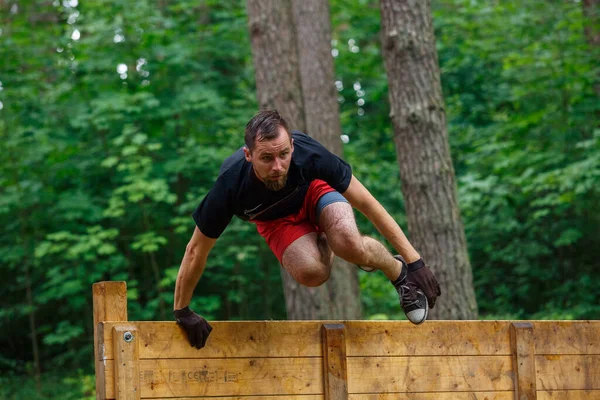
pixel 300 196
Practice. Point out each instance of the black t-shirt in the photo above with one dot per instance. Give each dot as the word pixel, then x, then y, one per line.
pixel 237 190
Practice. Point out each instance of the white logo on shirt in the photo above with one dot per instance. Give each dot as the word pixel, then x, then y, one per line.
pixel 249 212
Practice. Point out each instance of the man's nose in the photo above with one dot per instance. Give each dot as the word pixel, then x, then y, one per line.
pixel 277 166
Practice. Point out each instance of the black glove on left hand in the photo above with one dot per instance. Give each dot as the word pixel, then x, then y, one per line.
pixel 196 327
pixel 422 277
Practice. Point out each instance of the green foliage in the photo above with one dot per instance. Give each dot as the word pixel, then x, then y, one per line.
pixel 75 386
pixel 522 112
pixel 524 130
pixel 113 124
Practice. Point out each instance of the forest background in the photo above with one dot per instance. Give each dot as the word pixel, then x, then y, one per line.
pixel 115 117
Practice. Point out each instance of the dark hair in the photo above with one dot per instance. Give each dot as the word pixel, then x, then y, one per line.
pixel 264 126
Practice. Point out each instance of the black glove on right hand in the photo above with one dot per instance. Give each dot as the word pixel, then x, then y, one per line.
pixel 422 277
pixel 195 326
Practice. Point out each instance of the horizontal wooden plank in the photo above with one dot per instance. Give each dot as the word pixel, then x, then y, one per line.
pixel 227 339
pixel 429 374
pixel 541 395
pixel 436 396
pixel 508 395
pixel 569 395
pixel 363 338
pixel 401 338
pixel 568 372
pixel 302 339
pixel 225 377
pixel 290 397
pixel 567 337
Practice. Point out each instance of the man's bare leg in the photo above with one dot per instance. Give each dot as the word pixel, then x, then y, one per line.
pixel 337 220
pixel 309 259
pixel 326 253
pixel 344 239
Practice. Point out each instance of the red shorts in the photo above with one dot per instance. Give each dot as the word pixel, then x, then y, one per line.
pixel 282 232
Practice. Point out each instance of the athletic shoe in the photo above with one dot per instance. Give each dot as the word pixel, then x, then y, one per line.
pixel 412 300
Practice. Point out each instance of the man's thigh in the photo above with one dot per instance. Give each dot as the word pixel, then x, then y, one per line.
pixel 338 218
pixel 338 222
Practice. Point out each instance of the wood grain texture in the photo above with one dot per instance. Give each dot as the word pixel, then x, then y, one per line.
pixel 289 396
pixel 541 395
pixel 472 359
pixel 436 396
pixel 110 301
pixel 363 338
pixel 303 339
pixel 429 374
pixel 400 338
pixel 523 348
pixel 567 337
pixel 507 395
pixel 166 340
pixel 569 395
pixel 335 370
pixel 110 304
pixel 126 363
pixel 226 377
pixel 568 372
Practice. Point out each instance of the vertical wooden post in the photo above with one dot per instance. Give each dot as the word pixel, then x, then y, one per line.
pixel 110 304
pixel 127 362
pixel 335 371
pixel 523 349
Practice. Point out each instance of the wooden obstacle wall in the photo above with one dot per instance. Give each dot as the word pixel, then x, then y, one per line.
pixel 356 360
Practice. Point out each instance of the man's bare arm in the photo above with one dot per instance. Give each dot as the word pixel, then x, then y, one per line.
pixel 363 201
pixel 192 267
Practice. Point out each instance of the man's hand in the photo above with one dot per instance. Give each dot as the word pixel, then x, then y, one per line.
pixel 422 277
pixel 195 326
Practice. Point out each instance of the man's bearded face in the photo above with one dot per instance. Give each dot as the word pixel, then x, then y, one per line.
pixel 271 160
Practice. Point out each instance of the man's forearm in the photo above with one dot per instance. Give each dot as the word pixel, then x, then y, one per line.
pixel 192 267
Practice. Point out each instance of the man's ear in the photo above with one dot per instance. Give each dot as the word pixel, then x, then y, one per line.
pixel 247 154
pixel 292 145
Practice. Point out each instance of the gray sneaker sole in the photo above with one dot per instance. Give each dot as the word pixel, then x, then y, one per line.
pixel 419 315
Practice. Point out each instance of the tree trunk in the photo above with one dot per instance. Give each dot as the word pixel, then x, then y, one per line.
pixel 313 33
pixel 591 11
pixel 275 58
pixel 279 85
pixel 321 109
pixel 33 329
pixel 421 138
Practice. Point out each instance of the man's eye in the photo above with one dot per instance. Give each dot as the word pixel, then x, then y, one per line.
pixel 266 158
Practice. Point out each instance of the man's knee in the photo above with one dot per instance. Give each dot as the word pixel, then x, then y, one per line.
pixel 349 246
pixel 313 277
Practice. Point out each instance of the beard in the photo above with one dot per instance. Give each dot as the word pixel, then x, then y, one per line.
pixel 276 184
